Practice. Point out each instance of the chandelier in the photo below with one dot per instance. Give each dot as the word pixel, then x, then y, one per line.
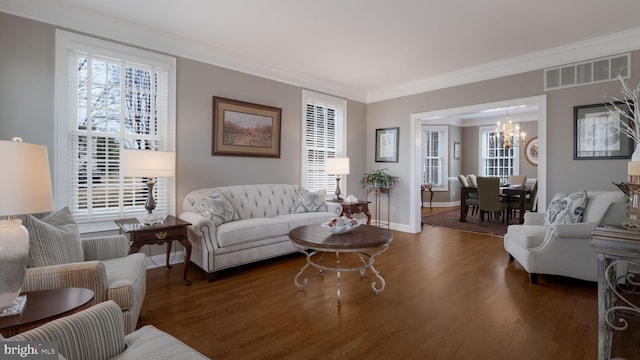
pixel 508 134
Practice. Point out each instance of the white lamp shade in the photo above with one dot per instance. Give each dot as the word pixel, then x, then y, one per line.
pixel 25 184
pixel 338 166
pixel 147 163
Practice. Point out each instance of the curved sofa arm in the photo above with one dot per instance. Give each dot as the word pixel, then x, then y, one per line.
pixel 101 328
pixel 202 228
pixel 577 230
pixel 87 274
pixel 533 218
pixel 105 247
pixel 334 208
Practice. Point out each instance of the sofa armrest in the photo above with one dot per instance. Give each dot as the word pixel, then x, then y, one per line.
pixel 105 247
pixel 201 226
pixel 101 328
pixel 87 274
pixel 334 208
pixel 577 230
pixel 533 218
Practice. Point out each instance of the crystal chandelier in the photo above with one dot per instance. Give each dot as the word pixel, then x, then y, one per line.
pixel 508 134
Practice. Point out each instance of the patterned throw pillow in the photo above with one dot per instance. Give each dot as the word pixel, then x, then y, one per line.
pixel 215 207
pixel 311 201
pixel 54 239
pixel 566 209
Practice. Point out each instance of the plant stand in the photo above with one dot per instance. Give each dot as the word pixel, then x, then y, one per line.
pixel 378 194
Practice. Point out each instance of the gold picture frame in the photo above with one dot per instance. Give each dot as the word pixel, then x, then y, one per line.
pixel 245 129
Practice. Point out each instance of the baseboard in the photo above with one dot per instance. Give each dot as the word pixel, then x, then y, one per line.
pixel 155 261
pixel 442 204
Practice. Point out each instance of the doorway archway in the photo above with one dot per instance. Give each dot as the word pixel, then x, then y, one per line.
pixel 418 119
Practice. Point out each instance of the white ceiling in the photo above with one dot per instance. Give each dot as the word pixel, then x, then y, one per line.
pixel 366 50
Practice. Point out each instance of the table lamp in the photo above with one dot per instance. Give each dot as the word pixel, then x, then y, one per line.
pixel 25 188
pixel 150 164
pixel 337 167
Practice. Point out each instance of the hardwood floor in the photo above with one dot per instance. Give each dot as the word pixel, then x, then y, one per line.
pixel 449 295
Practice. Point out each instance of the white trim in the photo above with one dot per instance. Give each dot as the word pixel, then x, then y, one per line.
pixel 73 17
pixel 416 120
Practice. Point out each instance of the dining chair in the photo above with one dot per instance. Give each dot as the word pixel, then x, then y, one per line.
pixel 517 180
pixel 490 199
pixel 472 198
pixel 531 203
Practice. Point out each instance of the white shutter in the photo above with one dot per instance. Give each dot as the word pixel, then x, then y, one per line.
pixel 114 100
pixel 324 137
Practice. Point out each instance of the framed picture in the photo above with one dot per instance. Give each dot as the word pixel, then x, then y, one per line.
pixel 456 150
pixel 531 151
pixel 597 133
pixel 387 144
pixel 245 129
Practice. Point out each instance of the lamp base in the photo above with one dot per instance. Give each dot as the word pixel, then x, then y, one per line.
pixel 14 242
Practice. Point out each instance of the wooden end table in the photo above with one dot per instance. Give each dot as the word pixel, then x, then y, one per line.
pixel 169 230
pixel 349 209
pixel 43 306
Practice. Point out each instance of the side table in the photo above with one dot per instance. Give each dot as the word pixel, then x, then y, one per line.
pixel 43 306
pixel 349 209
pixel 423 188
pixel 170 229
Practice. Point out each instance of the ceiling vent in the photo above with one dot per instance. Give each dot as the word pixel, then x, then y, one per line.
pixel 588 72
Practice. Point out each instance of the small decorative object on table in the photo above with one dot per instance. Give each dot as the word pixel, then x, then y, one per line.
pixel 351 199
pixel 341 225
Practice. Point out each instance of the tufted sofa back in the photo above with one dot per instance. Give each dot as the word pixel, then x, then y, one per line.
pixel 254 201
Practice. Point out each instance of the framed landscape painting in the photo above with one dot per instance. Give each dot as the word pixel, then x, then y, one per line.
pixel 597 133
pixel 245 129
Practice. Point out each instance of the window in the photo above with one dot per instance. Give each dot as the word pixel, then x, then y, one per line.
pixel 324 133
pixel 434 156
pixel 110 97
pixel 495 160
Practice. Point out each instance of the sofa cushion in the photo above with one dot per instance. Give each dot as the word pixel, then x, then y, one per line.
pixel 311 201
pixel 566 209
pixel 54 239
pixel 526 236
pixel 215 207
pixel 244 231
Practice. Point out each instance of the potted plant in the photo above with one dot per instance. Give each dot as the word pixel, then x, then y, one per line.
pixel 378 179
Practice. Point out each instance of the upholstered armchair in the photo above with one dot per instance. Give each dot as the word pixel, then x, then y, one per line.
pixel 98 333
pixel 59 258
pixel 560 248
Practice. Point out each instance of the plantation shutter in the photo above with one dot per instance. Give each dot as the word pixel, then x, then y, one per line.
pixel 323 138
pixel 115 102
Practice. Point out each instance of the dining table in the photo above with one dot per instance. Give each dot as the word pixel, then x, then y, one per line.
pixel 511 192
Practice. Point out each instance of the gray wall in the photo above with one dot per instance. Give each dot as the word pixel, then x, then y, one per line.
pixel 564 173
pixel 27 110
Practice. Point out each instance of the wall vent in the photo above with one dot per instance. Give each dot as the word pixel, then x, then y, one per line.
pixel 588 72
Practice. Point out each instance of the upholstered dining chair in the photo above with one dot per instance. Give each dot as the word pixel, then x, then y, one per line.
pixel 517 180
pixel 531 204
pixel 473 180
pixel 490 199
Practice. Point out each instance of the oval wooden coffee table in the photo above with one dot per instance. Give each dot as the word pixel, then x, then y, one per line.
pixel 367 241
pixel 45 305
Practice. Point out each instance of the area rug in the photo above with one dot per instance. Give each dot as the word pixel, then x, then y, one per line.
pixel 451 219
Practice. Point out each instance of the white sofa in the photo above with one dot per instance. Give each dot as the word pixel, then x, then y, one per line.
pixel 560 249
pixel 265 215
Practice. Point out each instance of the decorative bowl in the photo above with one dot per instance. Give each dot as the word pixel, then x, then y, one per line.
pixel 340 225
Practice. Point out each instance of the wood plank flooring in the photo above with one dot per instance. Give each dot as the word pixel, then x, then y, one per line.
pixel 449 295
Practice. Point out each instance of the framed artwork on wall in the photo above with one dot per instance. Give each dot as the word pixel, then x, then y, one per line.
pixel 456 150
pixel 597 133
pixel 531 151
pixel 245 129
pixel 387 144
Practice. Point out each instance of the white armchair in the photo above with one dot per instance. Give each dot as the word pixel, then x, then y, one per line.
pixel 560 249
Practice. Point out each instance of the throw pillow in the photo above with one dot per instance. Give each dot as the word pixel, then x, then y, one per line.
pixel 566 209
pixel 54 239
pixel 215 207
pixel 311 201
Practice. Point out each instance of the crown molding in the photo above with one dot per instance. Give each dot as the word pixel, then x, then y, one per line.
pixel 594 48
pixel 76 19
